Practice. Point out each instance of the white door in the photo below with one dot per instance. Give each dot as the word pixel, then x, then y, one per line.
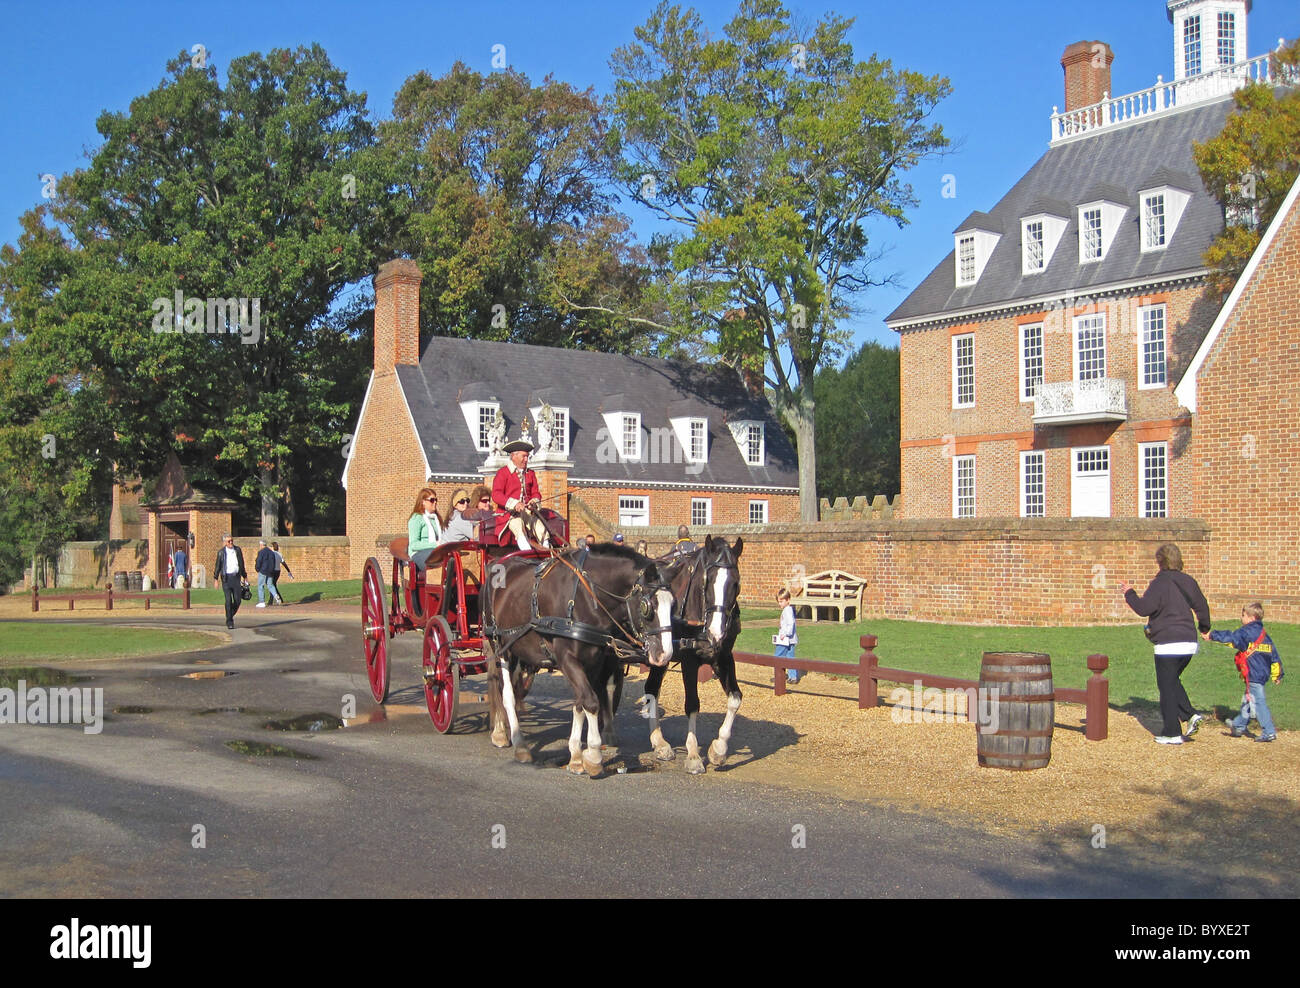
pixel 1090 482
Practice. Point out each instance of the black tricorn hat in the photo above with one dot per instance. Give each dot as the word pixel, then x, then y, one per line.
pixel 517 445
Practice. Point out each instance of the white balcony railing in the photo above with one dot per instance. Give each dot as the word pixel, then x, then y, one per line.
pixel 1164 96
pixel 1101 400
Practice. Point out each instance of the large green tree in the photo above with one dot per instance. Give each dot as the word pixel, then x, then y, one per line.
pixel 770 148
pixel 260 190
pixel 507 211
pixel 1252 164
pixel 858 425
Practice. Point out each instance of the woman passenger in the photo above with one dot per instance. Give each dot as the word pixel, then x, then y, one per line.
pixel 456 527
pixel 423 529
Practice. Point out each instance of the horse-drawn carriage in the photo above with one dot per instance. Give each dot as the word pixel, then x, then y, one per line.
pixel 587 612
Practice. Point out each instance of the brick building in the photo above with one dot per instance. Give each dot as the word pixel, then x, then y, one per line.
pixel 1066 315
pixel 636 440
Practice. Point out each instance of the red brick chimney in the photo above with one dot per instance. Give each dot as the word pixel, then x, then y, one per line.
pixel 1087 73
pixel 397 314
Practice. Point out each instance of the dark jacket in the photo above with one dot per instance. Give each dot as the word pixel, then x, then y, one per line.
pixel 1260 663
pixel 219 568
pixel 1168 610
pixel 265 561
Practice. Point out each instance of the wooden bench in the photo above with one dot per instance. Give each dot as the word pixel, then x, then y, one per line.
pixel 832 588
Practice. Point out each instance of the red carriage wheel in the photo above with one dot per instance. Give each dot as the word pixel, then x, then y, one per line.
pixel 374 629
pixel 441 675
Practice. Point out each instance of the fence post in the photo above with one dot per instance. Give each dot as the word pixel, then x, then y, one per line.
pixel 146 602
pixel 867 665
pixel 778 679
pixel 70 600
pixel 1098 699
pixel 108 596
pixel 185 598
pixel 36 599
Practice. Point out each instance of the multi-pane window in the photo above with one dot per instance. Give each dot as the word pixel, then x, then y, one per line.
pixel 560 442
pixel 1031 359
pixel 1153 221
pixel 1034 246
pixel 1153 346
pixel 758 512
pixel 1092 461
pixel 701 511
pixel 963 487
pixel 963 370
pixel 1092 234
pixel 633 511
pixel 753 444
pixel 1090 347
pixel 699 440
pixel 631 444
pixel 487 414
pixel 966 260
pixel 1033 499
pixel 1192 45
pixel 1227 38
pixel 1154 479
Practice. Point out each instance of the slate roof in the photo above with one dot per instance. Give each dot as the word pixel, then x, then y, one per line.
pixel 519 376
pixel 1115 164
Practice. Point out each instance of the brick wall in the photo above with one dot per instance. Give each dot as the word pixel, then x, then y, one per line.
pixel 996 571
pixel 1246 448
pixel 1000 426
pixel 92 564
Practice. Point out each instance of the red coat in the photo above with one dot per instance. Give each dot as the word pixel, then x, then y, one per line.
pixel 506 494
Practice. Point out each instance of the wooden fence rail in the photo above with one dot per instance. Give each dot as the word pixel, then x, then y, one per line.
pixel 107 596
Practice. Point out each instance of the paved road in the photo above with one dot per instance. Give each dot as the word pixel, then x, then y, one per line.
pixel 387 807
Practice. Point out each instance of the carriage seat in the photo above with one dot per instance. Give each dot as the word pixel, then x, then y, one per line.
pixel 398 548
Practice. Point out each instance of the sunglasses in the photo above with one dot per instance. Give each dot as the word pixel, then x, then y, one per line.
pixel 431 499
pixel 463 500
pixel 485 500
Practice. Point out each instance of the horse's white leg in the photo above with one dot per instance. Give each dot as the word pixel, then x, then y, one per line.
pixel 508 697
pixel 575 741
pixel 718 750
pixel 694 763
pixel 663 750
pixel 591 757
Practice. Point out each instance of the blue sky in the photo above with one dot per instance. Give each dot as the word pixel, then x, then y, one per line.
pixel 61 64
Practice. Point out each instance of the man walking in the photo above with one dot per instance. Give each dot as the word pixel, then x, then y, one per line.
pixel 180 566
pixel 265 566
pixel 233 576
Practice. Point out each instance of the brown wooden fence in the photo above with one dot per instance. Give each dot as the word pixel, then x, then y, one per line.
pixel 107 596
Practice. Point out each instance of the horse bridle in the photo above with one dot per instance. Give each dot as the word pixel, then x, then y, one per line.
pixel 707 609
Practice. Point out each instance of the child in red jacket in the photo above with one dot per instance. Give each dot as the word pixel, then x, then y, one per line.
pixel 1259 663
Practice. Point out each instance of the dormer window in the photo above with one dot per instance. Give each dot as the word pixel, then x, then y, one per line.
pixel 692 436
pixel 750 441
pixel 559 434
pixel 974 243
pixel 1099 221
pixel 630 433
pixel 479 418
pixel 1162 208
pixel 1039 235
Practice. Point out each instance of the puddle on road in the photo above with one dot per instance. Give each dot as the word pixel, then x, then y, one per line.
pixel 207 674
pixel 133 710
pixel 38 676
pixel 220 710
pixel 262 750
pixel 312 723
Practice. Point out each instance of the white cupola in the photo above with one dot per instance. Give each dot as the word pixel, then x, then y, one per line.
pixel 1208 35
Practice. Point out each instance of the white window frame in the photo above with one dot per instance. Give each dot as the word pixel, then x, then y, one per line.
pixel 697 428
pixel 1193 41
pixel 1110 215
pixel 972 250
pixel 1092 244
pixel 629 427
pixel 1090 318
pixel 562 429
pixel 966 259
pixel 963 465
pixel 1229 19
pixel 633 510
pixel 1147 489
pixel 957 342
pixel 479 416
pixel 1034 235
pixel 759 508
pixel 1075 474
pixel 1155 222
pixel 743 432
pixel 1025 393
pixel 1028 457
pixel 1143 312
pixel 701 511
pixel 1174 202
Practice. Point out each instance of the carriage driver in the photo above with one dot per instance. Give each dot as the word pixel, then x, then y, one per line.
pixel 513 489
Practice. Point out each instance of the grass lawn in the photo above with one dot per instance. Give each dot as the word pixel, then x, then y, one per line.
pixel 1211 679
pixel 22 641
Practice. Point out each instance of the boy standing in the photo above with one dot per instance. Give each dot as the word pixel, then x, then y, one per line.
pixel 1258 662
pixel 785 638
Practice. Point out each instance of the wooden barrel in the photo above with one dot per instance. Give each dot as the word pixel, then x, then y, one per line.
pixel 119 581
pixel 134 580
pixel 1020 719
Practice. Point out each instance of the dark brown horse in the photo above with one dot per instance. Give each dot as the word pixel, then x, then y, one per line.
pixel 583 612
pixel 706 586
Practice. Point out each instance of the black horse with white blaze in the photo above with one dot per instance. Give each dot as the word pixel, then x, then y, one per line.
pixel 705 585
pixel 582 611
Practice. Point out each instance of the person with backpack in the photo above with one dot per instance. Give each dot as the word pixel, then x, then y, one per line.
pixel 1259 663
pixel 1169 604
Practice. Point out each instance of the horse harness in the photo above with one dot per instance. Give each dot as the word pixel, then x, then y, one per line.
pixel 706 609
pixel 634 647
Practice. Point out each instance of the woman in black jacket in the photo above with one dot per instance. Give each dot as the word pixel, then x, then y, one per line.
pixel 1169 603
